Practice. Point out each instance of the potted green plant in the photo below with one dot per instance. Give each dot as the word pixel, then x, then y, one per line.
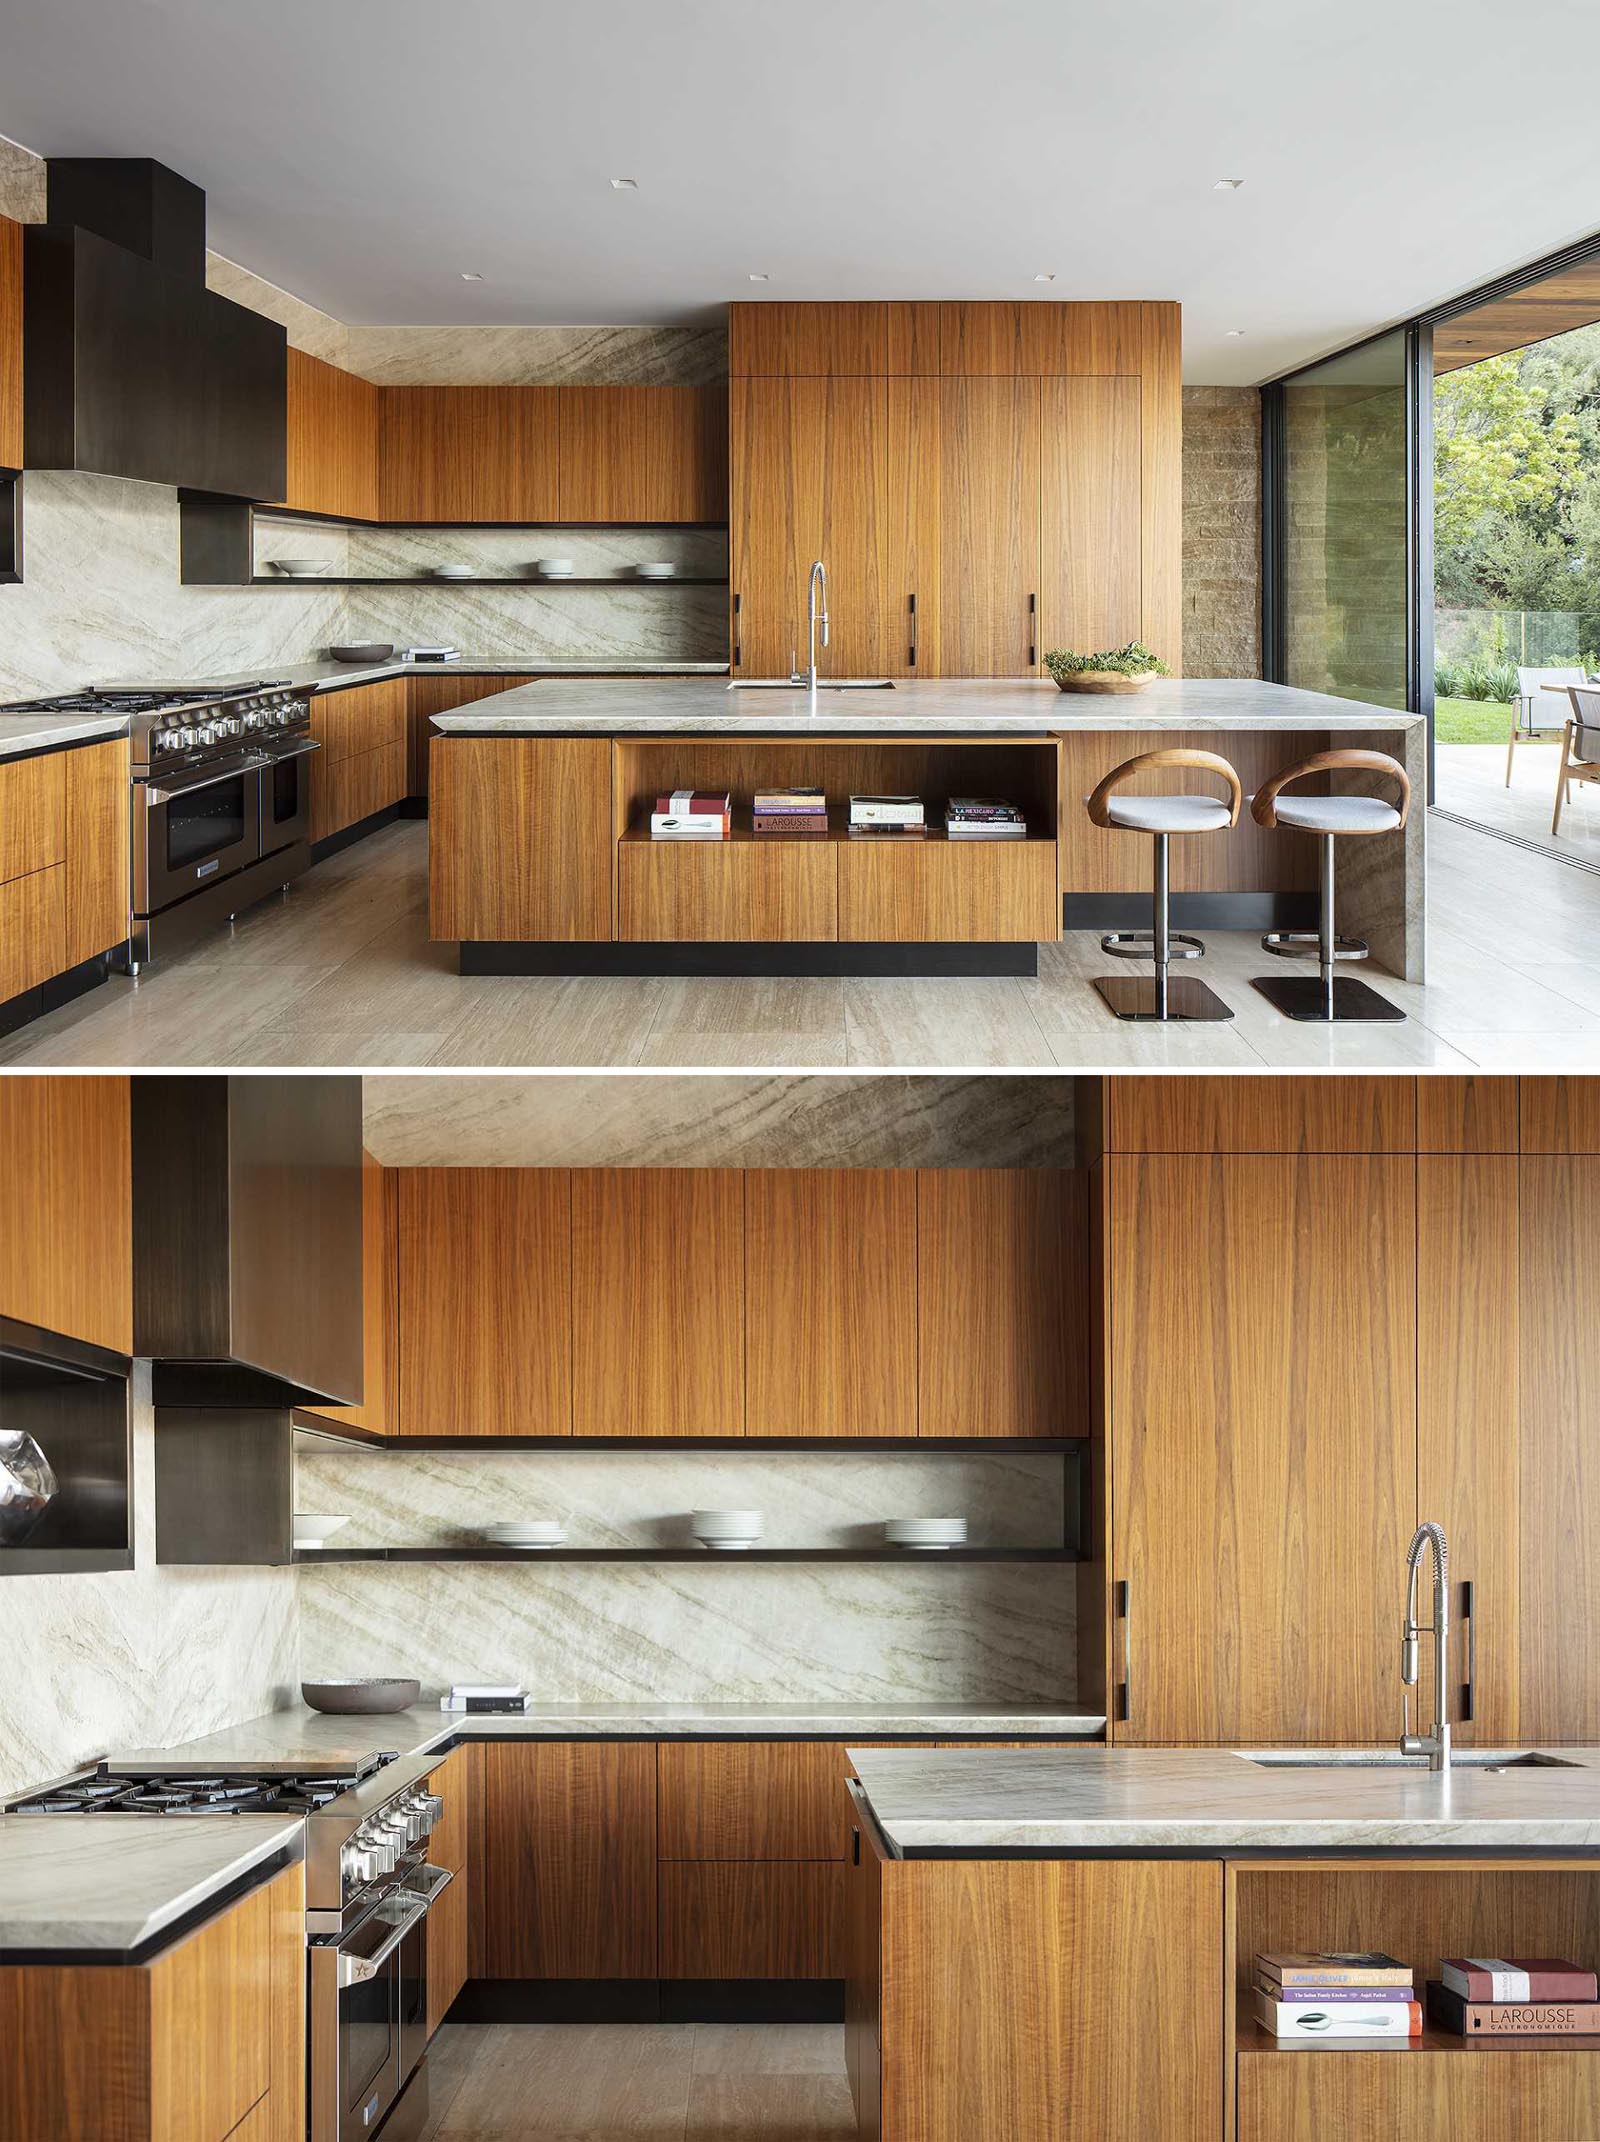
pixel 1115 669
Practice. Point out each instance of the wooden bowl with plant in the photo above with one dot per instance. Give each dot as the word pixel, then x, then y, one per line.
pixel 1115 669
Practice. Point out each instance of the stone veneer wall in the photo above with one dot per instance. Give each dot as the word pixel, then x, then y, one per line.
pixel 141 1657
pixel 1221 532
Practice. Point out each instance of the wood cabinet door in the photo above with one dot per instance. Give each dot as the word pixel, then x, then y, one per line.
pixel 1090 560
pixel 786 340
pixel 10 343
pixel 564 1860
pixel 520 840
pixel 658 1301
pixel 347 723
pixel 1358 1114
pixel 331 440
pixel 752 1918
pixel 484 1301
pixel 448 1918
pixel 1263 1442
pixel 213 2021
pixel 66 1207
pixel 1559 1514
pixel 1002 1300
pixel 831 1294
pixel 33 813
pixel 988 527
pixel 96 885
pixel 1560 1115
pixel 469 454
pixel 644 453
pixel 377 1317
pixel 809 479
pixel 753 1799
pixel 913 647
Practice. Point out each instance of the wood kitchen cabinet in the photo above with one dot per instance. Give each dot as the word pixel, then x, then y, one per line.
pixel 644 454
pixel 1263 1442
pixel 96 843
pixel 205 2043
pixel 658 1302
pixel 563 1860
pixel 988 441
pixel 469 454
pixel 483 1301
pixel 331 440
pixel 449 1915
pixel 440 693
pixel 520 838
pixel 831 1290
pixel 1002 1293
pixel 360 766
pixel 63 861
pixel 1090 521
pixel 1260 1115
pixel 10 343
pixel 375 1412
pixel 66 1217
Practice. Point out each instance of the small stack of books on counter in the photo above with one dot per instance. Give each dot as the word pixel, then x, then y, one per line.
pixel 791 810
pixel 499 1698
pixel 692 814
pixel 1339 2000
pixel 983 818
pixel 886 818
pixel 1514 1997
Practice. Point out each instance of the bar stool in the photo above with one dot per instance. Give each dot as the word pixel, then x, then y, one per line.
pixel 1332 818
pixel 1161 997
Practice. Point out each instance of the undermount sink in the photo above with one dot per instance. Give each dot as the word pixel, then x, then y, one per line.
pixel 824 684
pixel 1391 1759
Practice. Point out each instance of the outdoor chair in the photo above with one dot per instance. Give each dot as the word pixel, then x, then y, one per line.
pixel 1525 707
pixel 1580 747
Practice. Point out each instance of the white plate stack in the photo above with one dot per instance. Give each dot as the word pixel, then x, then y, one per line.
pixel 526 1532
pixel 728 1530
pixel 929 1534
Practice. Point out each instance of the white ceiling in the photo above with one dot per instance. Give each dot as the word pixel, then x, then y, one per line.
pixel 362 153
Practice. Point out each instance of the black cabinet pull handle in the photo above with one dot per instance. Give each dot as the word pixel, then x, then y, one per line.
pixel 1125 1616
pixel 1033 632
pixel 1469 1611
pixel 912 655
pixel 855 1846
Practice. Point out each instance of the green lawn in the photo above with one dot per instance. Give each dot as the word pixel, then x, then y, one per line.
pixel 1471 721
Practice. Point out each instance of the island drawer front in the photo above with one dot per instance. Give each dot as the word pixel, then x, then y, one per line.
pixel 33 930
pixel 752 1918
pixel 755 891
pixel 942 892
pixel 33 814
pixel 359 719
pixel 1472 2093
pixel 752 1800
pixel 520 839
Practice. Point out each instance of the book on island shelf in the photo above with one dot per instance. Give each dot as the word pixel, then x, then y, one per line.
pixel 983 818
pixel 790 810
pixel 1275 1991
pixel 1319 2021
pixel 1510 2019
pixel 1362 1967
pixel 886 811
pixel 1517 1978
pixel 692 814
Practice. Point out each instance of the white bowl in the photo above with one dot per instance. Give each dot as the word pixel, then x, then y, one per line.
pixel 660 570
pixel 452 572
pixel 925 1532
pixel 301 568
pixel 731 1524
pixel 554 568
pixel 312 1531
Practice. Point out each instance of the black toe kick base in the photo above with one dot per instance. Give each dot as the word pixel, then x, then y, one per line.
pixel 649 2000
pixel 61 989
pixel 1255 911
pixel 750 959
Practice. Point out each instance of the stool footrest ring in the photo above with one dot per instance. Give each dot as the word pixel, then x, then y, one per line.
pixel 1307 944
pixel 1141 944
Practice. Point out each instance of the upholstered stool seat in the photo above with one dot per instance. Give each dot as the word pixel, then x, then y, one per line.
pixel 1332 819
pixel 1162 816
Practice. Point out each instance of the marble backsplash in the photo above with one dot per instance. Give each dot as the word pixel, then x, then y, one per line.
pixel 538 356
pixel 141 1657
pixel 691 1632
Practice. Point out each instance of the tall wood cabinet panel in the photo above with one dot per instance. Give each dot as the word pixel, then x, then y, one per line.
pixel 1560 1115
pixel 1467 1115
pixel 548 871
pixel 96 881
pixel 658 1301
pixel 1261 1115
pixel 988 527
pixel 1161 486
pixel 484 1301
pixel 1559 1592
pixel 808 341
pixel 644 453
pixel 377 1326
pixel 1468 1424
pixel 831 1289
pixel 331 440
pixel 564 1860
pixel 66 1207
pixel 981 339
pixel 810 478
pixel 1090 535
pixel 1263 1442
pixel 1001 1296
pixel 916 477
pixel 469 454
pixel 10 343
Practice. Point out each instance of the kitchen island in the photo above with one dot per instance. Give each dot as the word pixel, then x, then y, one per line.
pixel 541 859
pixel 1062 1943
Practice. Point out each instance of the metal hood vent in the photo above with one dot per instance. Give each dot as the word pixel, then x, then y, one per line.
pixel 131 366
pixel 247 1240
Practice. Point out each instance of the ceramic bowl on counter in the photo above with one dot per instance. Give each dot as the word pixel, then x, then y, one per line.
pixel 311 1530
pixel 361 1699
pixel 365 651
pixel 727 1530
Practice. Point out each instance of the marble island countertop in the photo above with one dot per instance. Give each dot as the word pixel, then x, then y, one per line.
pixel 1001 706
pixel 1213 1801
pixel 113 1883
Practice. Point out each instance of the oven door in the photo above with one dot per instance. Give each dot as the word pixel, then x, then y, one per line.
pixel 286 794
pixel 369 2003
pixel 192 830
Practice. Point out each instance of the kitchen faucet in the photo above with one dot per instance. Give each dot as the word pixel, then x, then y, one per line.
pixel 1435 1744
pixel 816 613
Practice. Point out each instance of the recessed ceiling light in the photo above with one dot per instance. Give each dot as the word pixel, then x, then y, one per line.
pixel 1227 185
pixel 625 185
pixel 761 278
pixel 470 275
pixel 1044 278
pixel 1233 333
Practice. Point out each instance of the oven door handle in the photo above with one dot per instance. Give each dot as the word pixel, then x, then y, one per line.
pixel 252 764
pixel 295 751
pixel 355 1970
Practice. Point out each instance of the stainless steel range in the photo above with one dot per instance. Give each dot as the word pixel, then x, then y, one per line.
pixel 369 1887
pixel 221 799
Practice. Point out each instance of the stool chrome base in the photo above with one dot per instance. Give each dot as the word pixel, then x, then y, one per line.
pixel 1136 998
pixel 1141 944
pixel 1302 996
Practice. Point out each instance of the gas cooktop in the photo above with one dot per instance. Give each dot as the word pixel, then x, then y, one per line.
pixel 243 1792
pixel 142 698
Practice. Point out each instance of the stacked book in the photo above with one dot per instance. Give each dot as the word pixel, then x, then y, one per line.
pixel 692 814
pixel 496 1698
pixel 1513 1997
pixel 791 810
pixel 886 818
pixel 1340 2000
pixel 983 818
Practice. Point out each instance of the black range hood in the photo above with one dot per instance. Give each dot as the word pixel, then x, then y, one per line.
pixel 131 366
pixel 247 1240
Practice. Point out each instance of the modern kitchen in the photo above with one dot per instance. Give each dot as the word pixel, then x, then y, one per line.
pixel 1027 1557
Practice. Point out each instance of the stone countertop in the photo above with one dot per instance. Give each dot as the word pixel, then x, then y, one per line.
pixel 1214 1801
pixel 114 1882
pixel 21 734
pixel 302 1735
pixel 983 705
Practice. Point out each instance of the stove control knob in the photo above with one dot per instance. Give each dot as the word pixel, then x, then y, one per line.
pixel 230 725
pixel 351 1860
pixel 432 1811
pixel 205 735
